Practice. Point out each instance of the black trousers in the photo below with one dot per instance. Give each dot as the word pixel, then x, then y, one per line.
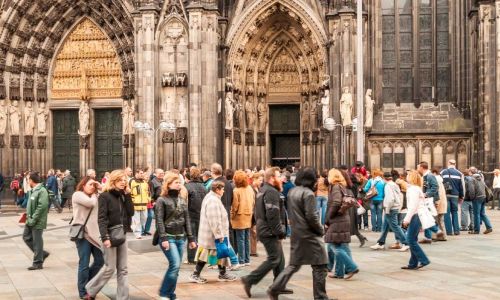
pixel 319 280
pixel 275 261
pixel 33 239
pixel 191 253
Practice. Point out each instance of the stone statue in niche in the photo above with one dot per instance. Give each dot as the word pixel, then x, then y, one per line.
pixel 237 112
pixel 229 110
pixel 167 79
pixel 125 117
pixel 250 113
pixel 369 102
pixel 262 115
pixel 29 119
pixel 84 118
pixel 305 113
pixel 314 112
pixel 346 107
pixel 325 106
pixel 3 117
pixel 180 79
pixel 15 117
pixel 42 117
pixel 131 117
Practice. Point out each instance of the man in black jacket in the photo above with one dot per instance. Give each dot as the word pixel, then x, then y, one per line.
pixel 270 230
pixel 196 193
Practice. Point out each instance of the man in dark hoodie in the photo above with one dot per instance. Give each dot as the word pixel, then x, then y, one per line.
pixel 196 193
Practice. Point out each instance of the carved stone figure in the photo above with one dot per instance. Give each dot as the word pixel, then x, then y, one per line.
pixel 131 117
pixel 346 107
pixel 180 79
pixel 84 88
pixel 314 112
pixel 305 113
pixel 250 113
pixel 41 118
pixel 125 117
pixel 84 118
pixel 262 115
pixel 238 112
pixel 14 118
pixel 29 119
pixel 229 110
pixel 167 79
pixel 3 117
pixel 369 102
pixel 325 106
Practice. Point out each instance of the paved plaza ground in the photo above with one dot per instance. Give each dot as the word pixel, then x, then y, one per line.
pixel 465 267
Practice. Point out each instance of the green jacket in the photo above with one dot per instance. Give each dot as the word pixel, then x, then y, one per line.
pixel 38 207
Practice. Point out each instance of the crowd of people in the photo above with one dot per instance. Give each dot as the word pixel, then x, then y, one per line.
pixel 218 216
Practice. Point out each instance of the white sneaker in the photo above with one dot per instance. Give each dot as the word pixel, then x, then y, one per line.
pixel 196 279
pixel 247 264
pixel 236 267
pixel 404 248
pixel 377 246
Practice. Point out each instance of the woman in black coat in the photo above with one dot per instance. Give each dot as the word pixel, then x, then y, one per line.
pixel 307 246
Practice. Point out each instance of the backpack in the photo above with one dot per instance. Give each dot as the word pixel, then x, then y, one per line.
pixel 14 185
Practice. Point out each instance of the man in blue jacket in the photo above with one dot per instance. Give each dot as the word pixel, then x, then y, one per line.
pixel 51 185
pixel 431 190
pixel 454 185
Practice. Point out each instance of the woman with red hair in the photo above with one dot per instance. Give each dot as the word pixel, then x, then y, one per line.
pixel 241 215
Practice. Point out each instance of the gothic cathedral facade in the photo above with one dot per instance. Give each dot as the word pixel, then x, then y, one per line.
pixel 92 84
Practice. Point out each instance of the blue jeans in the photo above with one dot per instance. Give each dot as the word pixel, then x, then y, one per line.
pixel 428 232
pixel 451 216
pixel 467 210
pixel 174 257
pixel 331 256
pixel 417 254
pixel 149 220
pixel 86 273
pixel 480 215
pixel 232 255
pixel 243 242
pixel 376 208
pixel 321 203
pixel 391 221
pixel 344 263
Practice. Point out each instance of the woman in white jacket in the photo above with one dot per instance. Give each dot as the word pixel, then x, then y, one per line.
pixel 415 198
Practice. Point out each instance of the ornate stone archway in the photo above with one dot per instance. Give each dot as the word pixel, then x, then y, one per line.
pixel 276 57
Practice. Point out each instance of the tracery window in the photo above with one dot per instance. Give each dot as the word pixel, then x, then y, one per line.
pixel 415 67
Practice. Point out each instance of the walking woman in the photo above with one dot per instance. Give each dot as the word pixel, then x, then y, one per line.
pixel 322 195
pixel 353 211
pixel 173 225
pixel 115 210
pixel 214 225
pixel 376 205
pixel 85 212
pixel 241 215
pixel 338 222
pixel 415 198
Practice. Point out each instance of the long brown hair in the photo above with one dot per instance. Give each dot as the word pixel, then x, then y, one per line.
pixel 82 183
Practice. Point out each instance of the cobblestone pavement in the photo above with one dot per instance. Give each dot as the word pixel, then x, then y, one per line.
pixel 465 267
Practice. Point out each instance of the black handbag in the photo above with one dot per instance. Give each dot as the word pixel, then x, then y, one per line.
pixel 116 235
pixel 76 231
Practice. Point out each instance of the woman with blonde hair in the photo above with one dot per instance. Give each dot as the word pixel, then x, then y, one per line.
pixel 415 199
pixel 241 215
pixel 338 222
pixel 173 227
pixel 115 210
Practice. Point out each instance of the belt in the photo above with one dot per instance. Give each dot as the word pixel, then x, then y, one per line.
pixel 176 236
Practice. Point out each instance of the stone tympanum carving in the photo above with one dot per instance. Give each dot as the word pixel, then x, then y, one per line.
pixel 346 107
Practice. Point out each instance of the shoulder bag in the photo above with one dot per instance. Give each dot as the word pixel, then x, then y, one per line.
pixel 372 192
pixel 117 233
pixel 76 231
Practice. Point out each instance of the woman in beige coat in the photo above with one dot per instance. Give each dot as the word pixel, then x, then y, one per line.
pixel 241 215
pixel 84 202
pixel 441 205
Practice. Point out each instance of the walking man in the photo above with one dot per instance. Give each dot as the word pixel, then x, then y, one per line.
pixel 140 196
pixel 270 231
pixel 454 185
pixel 36 220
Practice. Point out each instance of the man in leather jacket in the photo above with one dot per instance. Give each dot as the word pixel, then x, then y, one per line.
pixel 270 230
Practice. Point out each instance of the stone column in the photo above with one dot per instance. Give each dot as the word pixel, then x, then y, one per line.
pixel 203 41
pixel 496 117
pixel 145 21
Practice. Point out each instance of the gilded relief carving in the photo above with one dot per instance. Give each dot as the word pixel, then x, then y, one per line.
pixel 87 66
